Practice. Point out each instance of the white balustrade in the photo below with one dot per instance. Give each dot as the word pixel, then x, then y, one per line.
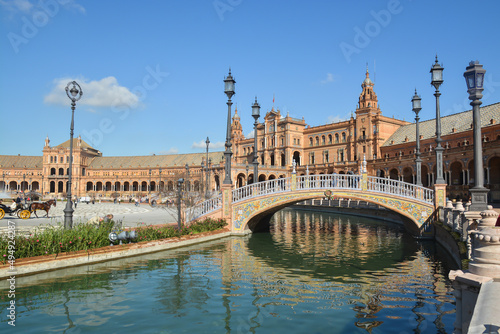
pixel 322 181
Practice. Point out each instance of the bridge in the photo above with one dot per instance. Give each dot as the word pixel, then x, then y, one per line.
pixel 245 207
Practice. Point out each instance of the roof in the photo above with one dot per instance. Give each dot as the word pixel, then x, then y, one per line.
pixel 192 159
pixel 20 161
pixel 460 122
pixel 75 144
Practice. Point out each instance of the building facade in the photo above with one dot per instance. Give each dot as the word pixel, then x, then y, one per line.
pixel 387 144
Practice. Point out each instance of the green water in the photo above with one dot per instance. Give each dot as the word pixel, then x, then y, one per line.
pixel 314 273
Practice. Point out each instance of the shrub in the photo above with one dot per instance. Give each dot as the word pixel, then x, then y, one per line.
pixel 54 239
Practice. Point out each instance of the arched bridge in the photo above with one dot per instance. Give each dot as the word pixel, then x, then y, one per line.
pixel 242 205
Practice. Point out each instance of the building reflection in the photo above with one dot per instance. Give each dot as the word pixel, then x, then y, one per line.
pixel 322 264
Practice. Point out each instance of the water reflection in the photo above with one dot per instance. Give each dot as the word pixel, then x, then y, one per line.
pixel 312 273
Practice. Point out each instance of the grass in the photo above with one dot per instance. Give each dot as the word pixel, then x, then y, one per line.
pixel 56 240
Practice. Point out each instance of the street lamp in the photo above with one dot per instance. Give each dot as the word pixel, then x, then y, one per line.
pixel 206 188
pixel 203 170
pixel 179 196
pixel 187 176
pixel 159 184
pixel 149 188
pixel 255 115
pixel 74 94
pixel 474 77
pixel 247 168
pixel 229 91
pixel 437 80
pixel 416 107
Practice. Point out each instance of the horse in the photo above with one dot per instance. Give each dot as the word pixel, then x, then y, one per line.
pixel 42 206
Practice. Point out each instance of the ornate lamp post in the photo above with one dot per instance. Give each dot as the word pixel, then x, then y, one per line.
pixel 203 170
pixel 187 176
pixel 229 90
pixel 416 107
pixel 437 80
pixel 247 168
pixel 149 187
pixel 209 166
pixel 474 77
pixel 74 93
pixel 206 188
pixel 255 115
pixel 159 184
pixel 179 198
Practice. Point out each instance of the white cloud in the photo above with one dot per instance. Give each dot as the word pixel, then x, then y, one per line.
pixel 103 93
pixel 250 134
pixel 30 7
pixel 203 144
pixel 335 119
pixel 172 150
pixel 329 78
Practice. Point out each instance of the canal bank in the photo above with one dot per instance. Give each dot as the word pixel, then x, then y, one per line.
pixel 40 264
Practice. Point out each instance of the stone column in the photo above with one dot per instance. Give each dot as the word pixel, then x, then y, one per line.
pixel 484 267
pixel 457 215
pixel 227 199
pixel 439 195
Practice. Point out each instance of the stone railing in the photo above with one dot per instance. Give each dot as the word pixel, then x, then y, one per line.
pixel 203 208
pixel 311 182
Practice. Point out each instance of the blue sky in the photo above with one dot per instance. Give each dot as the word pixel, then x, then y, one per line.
pixel 152 71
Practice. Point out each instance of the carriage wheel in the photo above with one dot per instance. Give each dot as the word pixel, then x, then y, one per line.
pixel 24 214
pixel 2 213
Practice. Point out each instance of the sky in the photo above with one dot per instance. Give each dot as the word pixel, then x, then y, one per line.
pixel 152 71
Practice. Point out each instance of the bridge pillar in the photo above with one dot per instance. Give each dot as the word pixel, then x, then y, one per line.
pixel 439 195
pixel 227 204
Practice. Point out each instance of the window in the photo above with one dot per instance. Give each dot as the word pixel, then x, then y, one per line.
pixel 317 141
pixel 343 137
pixel 61 159
pixel 311 158
pixel 329 139
pixel 323 141
pixel 336 137
pixel 310 141
pixel 364 149
pixel 327 157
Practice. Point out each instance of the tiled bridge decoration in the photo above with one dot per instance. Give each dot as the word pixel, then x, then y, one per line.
pixel 240 205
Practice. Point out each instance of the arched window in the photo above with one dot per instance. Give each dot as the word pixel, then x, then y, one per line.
pixel 317 140
pixel 323 140
pixel 310 141
pixel 343 137
pixel 336 137
pixel 329 139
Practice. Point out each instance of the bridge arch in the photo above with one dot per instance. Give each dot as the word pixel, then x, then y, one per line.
pixel 249 204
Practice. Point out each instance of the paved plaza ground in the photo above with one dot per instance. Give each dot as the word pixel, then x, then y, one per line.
pixel 129 214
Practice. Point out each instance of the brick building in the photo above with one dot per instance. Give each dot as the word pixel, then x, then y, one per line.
pixel 388 145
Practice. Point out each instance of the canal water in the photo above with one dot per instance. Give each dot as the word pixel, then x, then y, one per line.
pixel 313 273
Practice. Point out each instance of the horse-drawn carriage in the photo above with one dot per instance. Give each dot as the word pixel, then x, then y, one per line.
pixel 16 209
pixel 24 211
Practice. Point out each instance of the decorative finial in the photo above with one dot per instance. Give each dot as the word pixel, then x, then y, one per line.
pixel 294 163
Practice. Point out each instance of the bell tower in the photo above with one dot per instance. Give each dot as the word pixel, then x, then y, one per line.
pixel 236 128
pixel 367 122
